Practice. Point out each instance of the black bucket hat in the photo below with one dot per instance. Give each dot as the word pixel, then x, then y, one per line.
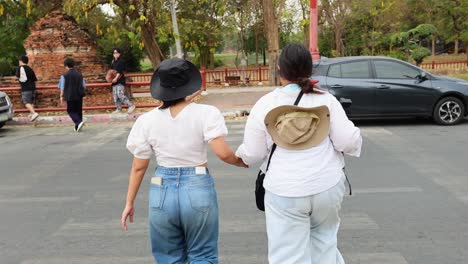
pixel 175 79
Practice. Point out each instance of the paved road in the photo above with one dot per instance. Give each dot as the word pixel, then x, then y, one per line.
pixel 61 195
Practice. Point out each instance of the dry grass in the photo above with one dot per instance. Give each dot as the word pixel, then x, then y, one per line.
pixel 446 58
pixel 457 73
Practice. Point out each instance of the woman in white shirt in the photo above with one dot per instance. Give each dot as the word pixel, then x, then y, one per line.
pixel 183 209
pixel 304 186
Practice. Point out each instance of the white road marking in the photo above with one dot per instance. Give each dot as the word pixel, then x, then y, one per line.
pixel 59 199
pixel 90 260
pixel 373 258
pixel 387 190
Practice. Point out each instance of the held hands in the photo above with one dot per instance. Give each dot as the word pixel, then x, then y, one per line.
pixel 129 211
pixel 240 163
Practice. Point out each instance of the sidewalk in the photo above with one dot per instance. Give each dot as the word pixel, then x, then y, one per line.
pixel 232 102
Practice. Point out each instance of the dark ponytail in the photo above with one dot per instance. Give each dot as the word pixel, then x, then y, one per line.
pixel 295 63
pixel 306 85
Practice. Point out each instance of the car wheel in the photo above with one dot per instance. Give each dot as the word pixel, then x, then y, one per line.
pixel 449 111
pixel 2 124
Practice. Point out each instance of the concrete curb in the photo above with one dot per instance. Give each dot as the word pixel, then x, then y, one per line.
pixel 65 119
pixel 225 90
pixel 103 118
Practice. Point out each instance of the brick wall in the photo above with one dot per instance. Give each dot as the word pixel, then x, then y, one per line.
pixel 56 37
pixel 52 39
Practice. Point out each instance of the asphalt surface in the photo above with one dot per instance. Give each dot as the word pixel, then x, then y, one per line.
pixel 61 196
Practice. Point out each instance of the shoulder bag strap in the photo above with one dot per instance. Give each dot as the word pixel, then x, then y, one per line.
pixel 273 148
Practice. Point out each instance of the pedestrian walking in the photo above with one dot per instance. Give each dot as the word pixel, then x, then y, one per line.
pixel 183 207
pixel 302 146
pixel 72 90
pixel 118 83
pixel 27 79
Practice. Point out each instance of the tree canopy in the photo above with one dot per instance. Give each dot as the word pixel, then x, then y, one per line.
pixel 346 27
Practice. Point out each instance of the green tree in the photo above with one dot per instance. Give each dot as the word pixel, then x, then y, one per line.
pixel 200 26
pixel 454 16
pixel 411 41
pixel 143 17
pixel 15 19
pixel 335 14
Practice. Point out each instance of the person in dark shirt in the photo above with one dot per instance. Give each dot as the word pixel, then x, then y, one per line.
pixel 118 83
pixel 27 79
pixel 72 86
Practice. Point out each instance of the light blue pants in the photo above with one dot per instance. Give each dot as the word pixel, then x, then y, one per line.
pixel 303 230
pixel 183 216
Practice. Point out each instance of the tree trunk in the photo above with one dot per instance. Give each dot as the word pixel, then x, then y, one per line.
pixel 204 56
pixel 151 47
pixel 338 33
pixel 306 30
pixel 212 61
pixel 272 34
pixel 256 47
pixel 306 27
pixel 149 41
pixel 433 47
pixel 456 46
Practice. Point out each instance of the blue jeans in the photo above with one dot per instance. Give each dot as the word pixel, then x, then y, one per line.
pixel 183 216
pixel 303 230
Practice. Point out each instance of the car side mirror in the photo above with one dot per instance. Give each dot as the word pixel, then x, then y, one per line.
pixel 345 102
pixel 422 76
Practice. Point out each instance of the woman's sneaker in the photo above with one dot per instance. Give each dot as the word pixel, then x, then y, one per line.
pixel 131 109
pixel 80 125
pixel 34 117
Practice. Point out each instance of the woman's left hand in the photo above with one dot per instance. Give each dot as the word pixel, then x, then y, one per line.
pixel 128 212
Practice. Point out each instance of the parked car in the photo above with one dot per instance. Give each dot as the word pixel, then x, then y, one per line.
pixel 380 87
pixel 6 109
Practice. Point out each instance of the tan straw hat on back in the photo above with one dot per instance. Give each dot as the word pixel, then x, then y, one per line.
pixel 297 128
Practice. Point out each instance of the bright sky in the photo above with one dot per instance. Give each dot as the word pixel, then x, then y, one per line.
pixel 107 9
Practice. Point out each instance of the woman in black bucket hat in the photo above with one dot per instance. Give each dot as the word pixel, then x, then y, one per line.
pixel 183 209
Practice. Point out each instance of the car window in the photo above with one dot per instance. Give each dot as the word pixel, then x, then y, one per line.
pixel 394 70
pixel 335 71
pixel 357 69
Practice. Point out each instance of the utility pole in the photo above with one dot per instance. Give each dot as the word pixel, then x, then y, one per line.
pixel 176 30
pixel 313 28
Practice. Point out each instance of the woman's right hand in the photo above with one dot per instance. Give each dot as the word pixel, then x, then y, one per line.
pixel 128 212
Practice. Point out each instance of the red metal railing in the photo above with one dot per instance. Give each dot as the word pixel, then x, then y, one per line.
pixel 102 107
pixel 217 77
pixel 88 85
pixel 445 65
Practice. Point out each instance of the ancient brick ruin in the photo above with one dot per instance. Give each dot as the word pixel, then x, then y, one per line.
pixel 56 37
pixel 52 39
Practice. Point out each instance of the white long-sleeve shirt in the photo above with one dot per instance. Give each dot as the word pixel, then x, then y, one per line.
pixel 295 173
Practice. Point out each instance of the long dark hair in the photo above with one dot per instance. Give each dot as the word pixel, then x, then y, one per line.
pixel 295 65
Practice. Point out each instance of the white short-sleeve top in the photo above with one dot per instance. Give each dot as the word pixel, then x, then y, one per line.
pixel 179 141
